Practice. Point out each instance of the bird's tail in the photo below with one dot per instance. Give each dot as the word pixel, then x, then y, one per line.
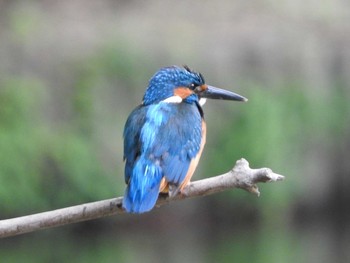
pixel 142 191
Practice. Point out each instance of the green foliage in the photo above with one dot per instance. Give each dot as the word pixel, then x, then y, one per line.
pixel 19 151
pixel 62 112
pixel 41 168
pixel 50 162
pixel 62 248
pixel 275 129
pixel 259 245
pixel 73 169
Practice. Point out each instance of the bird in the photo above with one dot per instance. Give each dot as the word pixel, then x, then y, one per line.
pixel 164 136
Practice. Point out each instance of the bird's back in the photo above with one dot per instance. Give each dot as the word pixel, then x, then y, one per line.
pixel 160 143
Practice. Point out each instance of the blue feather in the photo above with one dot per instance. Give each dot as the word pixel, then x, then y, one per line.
pixel 160 140
pixel 132 144
pixel 161 85
pixel 143 188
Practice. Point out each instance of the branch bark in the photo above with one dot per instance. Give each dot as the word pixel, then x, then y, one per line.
pixel 241 176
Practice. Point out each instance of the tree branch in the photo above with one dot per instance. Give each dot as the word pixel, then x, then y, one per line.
pixel 241 176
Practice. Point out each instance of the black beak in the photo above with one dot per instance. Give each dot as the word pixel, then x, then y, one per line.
pixel 220 94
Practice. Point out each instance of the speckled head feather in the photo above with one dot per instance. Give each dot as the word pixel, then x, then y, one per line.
pixel 166 80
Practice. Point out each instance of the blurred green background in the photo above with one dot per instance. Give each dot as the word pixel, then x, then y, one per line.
pixel 71 72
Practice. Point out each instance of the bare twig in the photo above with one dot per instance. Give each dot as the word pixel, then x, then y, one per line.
pixel 241 176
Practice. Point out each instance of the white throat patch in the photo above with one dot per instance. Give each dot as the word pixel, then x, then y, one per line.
pixel 173 99
pixel 178 99
pixel 202 101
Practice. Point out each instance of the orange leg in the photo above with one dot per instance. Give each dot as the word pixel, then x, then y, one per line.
pixel 164 186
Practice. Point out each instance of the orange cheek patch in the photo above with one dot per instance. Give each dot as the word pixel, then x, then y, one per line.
pixel 183 92
pixel 204 87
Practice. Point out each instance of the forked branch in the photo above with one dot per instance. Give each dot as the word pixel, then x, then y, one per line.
pixel 241 176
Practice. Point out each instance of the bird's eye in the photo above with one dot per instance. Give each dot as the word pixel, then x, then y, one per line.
pixel 196 88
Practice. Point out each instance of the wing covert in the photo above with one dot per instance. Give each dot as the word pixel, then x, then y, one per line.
pixel 172 138
pixel 132 144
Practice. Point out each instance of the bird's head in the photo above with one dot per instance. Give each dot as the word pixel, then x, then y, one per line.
pixel 176 84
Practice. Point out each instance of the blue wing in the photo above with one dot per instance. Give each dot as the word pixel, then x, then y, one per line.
pixel 160 140
pixel 132 143
pixel 178 141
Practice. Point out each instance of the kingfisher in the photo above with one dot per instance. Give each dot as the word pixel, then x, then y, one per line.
pixel 165 135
